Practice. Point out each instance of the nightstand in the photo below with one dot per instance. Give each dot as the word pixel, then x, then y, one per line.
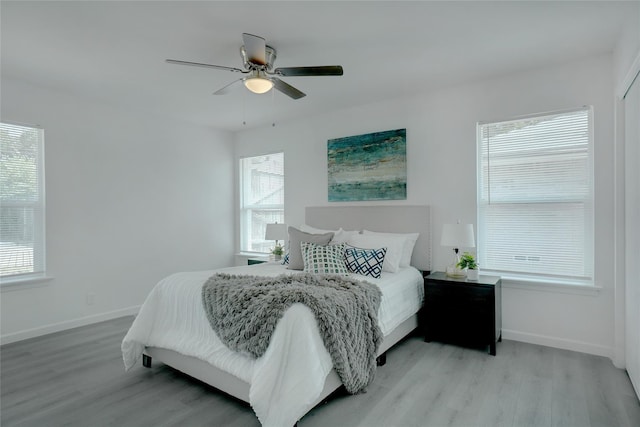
pixel 462 311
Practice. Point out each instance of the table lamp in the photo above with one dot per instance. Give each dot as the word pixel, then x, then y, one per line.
pixel 276 232
pixel 457 236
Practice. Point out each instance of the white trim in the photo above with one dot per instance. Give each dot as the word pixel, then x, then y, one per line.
pixel 555 342
pixel 489 151
pixel 548 286
pixel 619 236
pixel 67 324
pixel 253 254
pixel 38 239
pixel 28 125
pixel 535 115
pixel 632 74
pixel 25 282
pixel 245 242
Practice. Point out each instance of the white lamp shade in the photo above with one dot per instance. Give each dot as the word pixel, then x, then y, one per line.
pixel 458 236
pixel 276 232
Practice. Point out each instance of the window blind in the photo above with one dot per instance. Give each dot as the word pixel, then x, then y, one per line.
pixel 21 201
pixel 262 199
pixel 535 214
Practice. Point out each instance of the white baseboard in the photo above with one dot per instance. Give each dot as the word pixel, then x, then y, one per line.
pixel 565 344
pixel 67 324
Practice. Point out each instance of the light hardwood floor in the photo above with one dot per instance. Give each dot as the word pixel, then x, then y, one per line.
pixel 76 378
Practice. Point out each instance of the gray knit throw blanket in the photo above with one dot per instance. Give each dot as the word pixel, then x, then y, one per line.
pixel 244 312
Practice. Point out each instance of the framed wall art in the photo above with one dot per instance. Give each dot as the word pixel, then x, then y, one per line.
pixel 372 166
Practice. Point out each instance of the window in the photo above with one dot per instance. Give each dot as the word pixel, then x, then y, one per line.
pixel 535 196
pixel 21 202
pixel 261 199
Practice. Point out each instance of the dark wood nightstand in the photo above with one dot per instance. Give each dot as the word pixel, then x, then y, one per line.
pixel 463 311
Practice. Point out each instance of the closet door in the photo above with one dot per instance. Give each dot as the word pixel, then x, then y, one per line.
pixel 632 231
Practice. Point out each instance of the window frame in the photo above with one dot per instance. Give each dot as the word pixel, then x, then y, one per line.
pixel 39 273
pixel 546 281
pixel 246 209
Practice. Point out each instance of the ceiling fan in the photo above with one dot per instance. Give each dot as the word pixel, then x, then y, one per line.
pixel 258 61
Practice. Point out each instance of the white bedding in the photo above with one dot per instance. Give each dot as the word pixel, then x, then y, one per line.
pixel 290 376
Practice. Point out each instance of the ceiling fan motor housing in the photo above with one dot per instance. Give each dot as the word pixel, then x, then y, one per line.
pixel 270 57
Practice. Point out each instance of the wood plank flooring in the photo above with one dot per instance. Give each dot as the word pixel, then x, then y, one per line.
pixel 76 378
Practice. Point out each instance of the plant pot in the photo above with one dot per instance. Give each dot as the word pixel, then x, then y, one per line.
pixel 473 274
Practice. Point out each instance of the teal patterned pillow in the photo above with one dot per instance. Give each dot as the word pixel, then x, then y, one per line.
pixel 367 262
pixel 321 259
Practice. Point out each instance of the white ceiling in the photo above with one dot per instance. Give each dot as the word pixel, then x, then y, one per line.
pixel 114 52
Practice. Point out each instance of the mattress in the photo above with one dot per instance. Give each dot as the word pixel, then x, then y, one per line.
pixel 287 379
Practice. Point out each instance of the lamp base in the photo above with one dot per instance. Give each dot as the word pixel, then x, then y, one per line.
pixel 455 272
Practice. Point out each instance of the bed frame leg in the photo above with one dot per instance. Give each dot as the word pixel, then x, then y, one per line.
pixel 382 359
pixel 146 361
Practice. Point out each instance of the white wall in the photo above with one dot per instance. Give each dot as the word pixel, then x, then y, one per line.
pixel 130 199
pixel 441 171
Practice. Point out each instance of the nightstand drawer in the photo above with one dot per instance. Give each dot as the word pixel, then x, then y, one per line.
pixel 458 295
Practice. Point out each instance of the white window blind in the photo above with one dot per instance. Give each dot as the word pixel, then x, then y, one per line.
pixel 261 199
pixel 21 202
pixel 535 210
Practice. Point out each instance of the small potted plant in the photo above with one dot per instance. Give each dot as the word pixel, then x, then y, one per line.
pixel 468 262
pixel 277 251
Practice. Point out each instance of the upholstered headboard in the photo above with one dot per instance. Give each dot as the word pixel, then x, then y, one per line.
pixel 390 219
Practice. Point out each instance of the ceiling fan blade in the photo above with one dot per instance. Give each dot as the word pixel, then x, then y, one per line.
pixel 198 64
pixel 255 47
pixel 226 89
pixel 287 89
pixel 326 70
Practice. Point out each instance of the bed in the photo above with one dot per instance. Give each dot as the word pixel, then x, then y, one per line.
pixel 171 326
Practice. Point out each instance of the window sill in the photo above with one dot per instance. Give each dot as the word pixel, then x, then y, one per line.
pixel 242 258
pixel 546 285
pixel 254 254
pixel 24 283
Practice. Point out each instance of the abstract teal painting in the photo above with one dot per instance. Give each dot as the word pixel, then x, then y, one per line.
pixel 372 166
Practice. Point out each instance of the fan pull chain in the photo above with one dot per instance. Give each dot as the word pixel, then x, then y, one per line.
pixel 244 108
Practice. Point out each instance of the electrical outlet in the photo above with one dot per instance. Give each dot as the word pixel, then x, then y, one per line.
pixel 91 299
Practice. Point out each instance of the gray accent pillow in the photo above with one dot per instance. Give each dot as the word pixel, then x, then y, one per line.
pixel 296 237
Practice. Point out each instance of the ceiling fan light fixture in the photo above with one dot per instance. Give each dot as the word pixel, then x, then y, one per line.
pixel 258 84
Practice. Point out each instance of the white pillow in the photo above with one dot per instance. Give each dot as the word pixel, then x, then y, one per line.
pixel 339 235
pixel 394 245
pixel 342 236
pixel 312 230
pixel 407 249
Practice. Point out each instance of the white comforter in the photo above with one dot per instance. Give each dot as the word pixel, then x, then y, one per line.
pixel 290 376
